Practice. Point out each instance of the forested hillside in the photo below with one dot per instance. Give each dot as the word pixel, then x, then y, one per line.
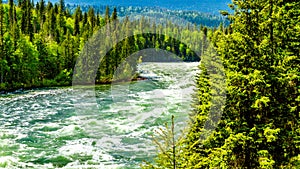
pixel 194 17
pixel 259 53
pixel 40 43
pixel 260 123
pixel 207 6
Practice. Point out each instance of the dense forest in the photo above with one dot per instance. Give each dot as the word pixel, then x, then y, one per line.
pixel 259 127
pixel 259 54
pixel 41 42
pixel 207 6
pixel 194 17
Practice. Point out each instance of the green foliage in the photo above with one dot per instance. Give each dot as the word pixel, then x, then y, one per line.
pixel 260 124
pixel 3 165
pixel 265 160
pixel 168 146
pixel 41 43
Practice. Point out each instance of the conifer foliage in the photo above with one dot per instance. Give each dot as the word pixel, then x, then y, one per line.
pixel 39 43
pixel 260 123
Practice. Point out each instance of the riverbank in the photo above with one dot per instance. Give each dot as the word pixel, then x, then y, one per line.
pixel 16 88
pixel 102 127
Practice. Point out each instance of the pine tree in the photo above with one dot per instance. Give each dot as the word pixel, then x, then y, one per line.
pixel 42 12
pixel 91 18
pixel 61 6
pixel 114 15
pixel 20 3
pixel 107 15
pixel 77 21
pixel 10 12
pixel 114 18
pixel 52 21
pixel 1 43
pixel 29 26
pixel 1 22
pixel 259 124
pixel 15 31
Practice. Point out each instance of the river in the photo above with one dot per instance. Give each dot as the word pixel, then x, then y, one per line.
pixel 42 128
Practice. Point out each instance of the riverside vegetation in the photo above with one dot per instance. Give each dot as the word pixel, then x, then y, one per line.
pixel 40 43
pixel 260 123
pixel 260 52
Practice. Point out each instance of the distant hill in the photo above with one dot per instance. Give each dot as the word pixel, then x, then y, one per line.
pixel 180 17
pixel 199 12
pixel 207 6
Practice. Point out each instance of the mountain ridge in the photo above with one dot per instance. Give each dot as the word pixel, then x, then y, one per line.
pixel 207 6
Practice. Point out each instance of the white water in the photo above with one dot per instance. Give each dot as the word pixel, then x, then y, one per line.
pixel 38 126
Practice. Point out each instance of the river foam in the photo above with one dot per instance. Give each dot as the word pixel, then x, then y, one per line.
pixel 111 127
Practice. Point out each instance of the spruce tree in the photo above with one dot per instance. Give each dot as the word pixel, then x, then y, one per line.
pixel 41 12
pixel 1 43
pixel 114 15
pixel 77 21
pixel 10 12
pixel 107 15
pixel 61 6
pixel 259 127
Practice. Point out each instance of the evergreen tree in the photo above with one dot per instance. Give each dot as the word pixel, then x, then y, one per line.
pixel 62 6
pixel 107 15
pixel 41 12
pixel 258 128
pixel 10 12
pixel 77 20
pixel 91 18
pixel 114 15
pixel 41 48
pixel 29 26
pixel 2 59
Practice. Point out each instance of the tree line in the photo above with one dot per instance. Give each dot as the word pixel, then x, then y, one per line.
pixel 195 17
pixel 259 127
pixel 41 41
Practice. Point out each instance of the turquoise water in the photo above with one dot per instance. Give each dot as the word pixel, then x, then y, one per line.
pixel 103 126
